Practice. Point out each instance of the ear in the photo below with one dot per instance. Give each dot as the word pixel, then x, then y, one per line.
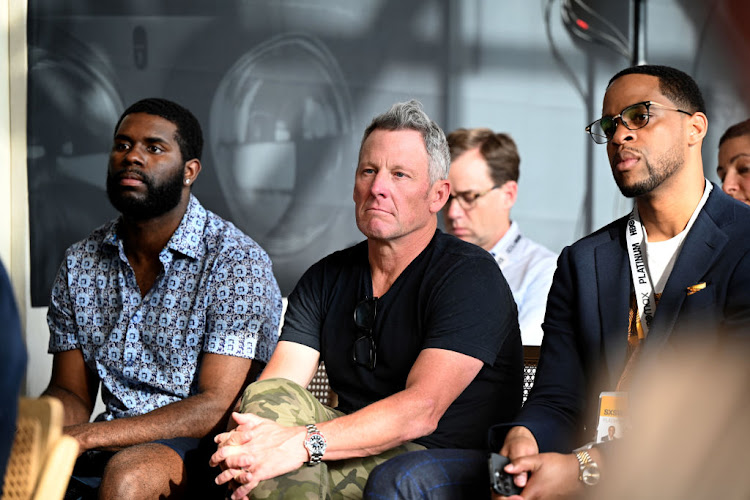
pixel 697 128
pixel 510 194
pixel 192 169
pixel 439 195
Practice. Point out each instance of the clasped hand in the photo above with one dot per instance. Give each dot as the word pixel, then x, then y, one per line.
pixel 257 449
pixel 541 475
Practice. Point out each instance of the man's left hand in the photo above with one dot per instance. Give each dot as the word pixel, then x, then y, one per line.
pixel 257 449
pixel 551 475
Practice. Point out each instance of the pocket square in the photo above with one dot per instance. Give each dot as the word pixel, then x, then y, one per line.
pixel 696 288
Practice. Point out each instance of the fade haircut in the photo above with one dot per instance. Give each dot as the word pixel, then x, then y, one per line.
pixel 736 130
pixel 675 85
pixel 188 135
pixel 498 150
pixel 410 116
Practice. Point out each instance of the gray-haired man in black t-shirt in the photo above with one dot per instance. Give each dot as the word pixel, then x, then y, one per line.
pixel 418 330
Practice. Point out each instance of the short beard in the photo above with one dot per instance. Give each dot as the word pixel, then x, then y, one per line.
pixel 670 162
pixel 159 199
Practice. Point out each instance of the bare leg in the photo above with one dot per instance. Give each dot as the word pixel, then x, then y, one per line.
pixel 145 471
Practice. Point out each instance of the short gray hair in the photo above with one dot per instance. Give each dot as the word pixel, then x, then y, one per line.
pixel 410 116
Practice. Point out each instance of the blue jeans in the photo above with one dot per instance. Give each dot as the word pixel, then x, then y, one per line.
pixel 437 474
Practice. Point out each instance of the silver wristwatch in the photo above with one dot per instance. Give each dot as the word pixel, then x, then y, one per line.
pixel 315 444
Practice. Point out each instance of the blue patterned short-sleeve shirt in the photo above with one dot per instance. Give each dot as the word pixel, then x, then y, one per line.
pixel 216 294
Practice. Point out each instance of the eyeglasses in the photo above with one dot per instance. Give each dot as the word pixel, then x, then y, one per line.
pixel 467 199
pixel 633 117
pixel 364 351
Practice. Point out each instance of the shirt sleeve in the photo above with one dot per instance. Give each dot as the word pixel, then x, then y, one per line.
pixel 304 315
pixel 60 315
pixel 244 310
pixel 472 310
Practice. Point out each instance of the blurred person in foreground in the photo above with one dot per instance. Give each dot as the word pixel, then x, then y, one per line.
pixel 12 367
pixel 689 436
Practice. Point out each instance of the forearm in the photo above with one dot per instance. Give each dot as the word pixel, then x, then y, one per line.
pixel 380 426
pixel 195 416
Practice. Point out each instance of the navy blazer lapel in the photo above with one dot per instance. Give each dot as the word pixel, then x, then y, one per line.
pixel 613 281
pixel 701 247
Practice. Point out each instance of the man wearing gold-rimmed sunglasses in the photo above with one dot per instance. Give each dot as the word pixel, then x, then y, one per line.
pixel 677 267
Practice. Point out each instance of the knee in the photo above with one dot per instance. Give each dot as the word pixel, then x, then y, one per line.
pixel 128 475
pixel 280 400
pixel 392 480
pixel 262 389
pixel 440 474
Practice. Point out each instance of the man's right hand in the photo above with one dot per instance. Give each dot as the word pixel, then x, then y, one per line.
pixel 519 442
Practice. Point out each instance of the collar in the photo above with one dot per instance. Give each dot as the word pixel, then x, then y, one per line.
pixel 187 238
pixel 508 241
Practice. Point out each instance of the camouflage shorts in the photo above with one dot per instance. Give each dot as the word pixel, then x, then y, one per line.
pixel 290 404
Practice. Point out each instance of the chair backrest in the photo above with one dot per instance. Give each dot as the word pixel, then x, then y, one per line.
pixel 42 458
pixel 530 360
pixel 321 388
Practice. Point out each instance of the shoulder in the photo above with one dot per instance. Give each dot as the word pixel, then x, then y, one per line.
pixel 534 254
pixel 230 243
pixel 93 246
pixel 447 246
pixel 729 215
pixel 339 263
pixel 614 231
pixel 449 260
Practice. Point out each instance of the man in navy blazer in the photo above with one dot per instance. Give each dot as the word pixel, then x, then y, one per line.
pixel 692 272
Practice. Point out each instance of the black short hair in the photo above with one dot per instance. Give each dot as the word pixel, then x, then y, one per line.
pixel 677 86
pixel 736 130
pixel 189 135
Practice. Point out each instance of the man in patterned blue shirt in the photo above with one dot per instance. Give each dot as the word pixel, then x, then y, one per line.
pixel 167 306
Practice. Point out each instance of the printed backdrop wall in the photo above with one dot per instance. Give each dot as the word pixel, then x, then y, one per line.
pixel 284 89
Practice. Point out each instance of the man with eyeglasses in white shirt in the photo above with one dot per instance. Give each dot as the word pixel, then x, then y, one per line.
pixel 484 187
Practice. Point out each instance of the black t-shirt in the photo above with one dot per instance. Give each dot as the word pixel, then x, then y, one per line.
pixel 451 296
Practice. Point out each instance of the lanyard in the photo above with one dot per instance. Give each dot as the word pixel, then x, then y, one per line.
pixel 636 241
pixel 502 256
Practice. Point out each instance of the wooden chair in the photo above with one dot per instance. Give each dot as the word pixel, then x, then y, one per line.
pixel 42 458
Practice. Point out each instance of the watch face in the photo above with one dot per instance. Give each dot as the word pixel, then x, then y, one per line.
pixel 316 444
pixel 590 474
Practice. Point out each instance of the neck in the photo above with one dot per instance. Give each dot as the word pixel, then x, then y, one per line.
pixel 665 215
pixel 145 239
pixel 503 229
pixel 389 258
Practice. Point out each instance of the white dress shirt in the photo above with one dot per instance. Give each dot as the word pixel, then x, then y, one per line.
pixel 528 267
